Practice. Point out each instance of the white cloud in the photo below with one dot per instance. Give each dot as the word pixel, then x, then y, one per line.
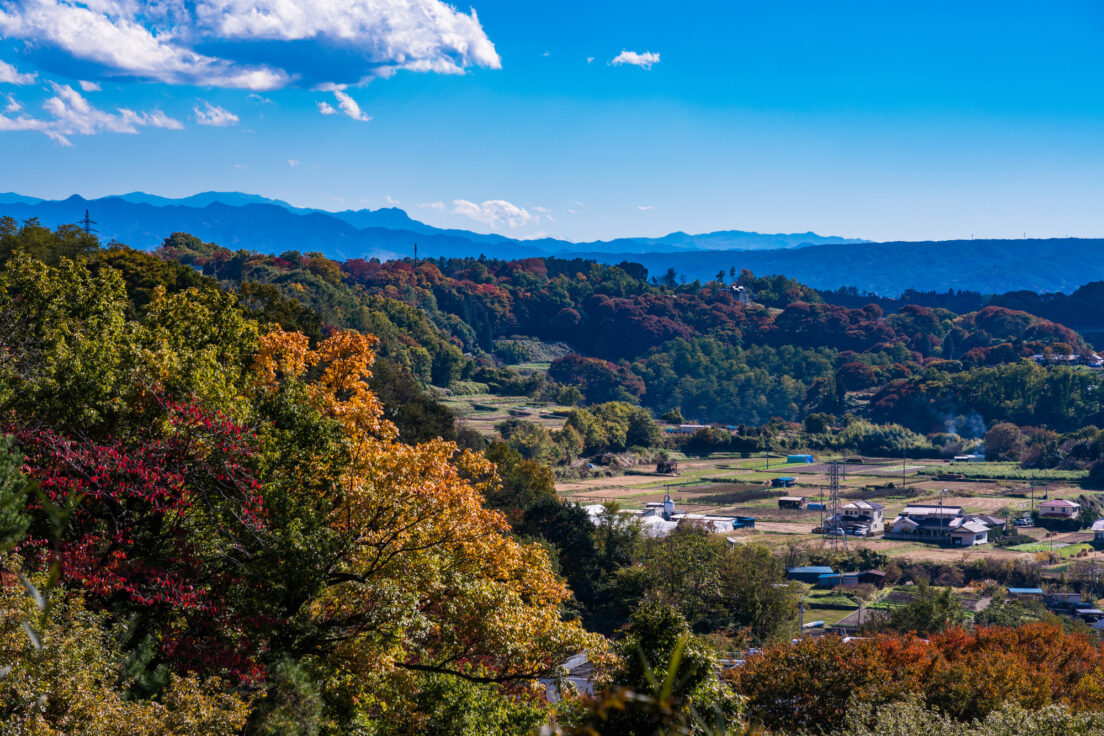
pixel 494 212
pixel 433 205
pixel 245 43
pixel 644 207
pixel 326 108
pixel 213 115
pixel 13 104
pixel 89 86
pixel 644 60
pixel 391 200
pixel 293 162
pixel 10 75
pixel 590 59
pixel 542 210
pixel 349 106
pixel 71 114
pixel 258 98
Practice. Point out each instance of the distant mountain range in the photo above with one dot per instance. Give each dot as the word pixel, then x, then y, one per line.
pixel 236 220
pixel 247 221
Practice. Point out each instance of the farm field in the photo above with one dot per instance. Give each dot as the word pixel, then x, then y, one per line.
pixel 730 484
pixel 482 412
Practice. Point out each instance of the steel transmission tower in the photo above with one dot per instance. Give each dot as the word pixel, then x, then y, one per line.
pixel 831 528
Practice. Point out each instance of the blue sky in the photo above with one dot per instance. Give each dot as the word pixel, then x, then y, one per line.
pixel 882 120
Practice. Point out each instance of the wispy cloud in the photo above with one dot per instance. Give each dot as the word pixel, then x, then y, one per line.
pixel 293 162
pixel 644 207
pixel 644 60
pixel 390 200
pixel 10 75
pixel 326 108
pixel 70 114
pixel 433 205
pixel 494 212
pixel 89 86
pixel 213 115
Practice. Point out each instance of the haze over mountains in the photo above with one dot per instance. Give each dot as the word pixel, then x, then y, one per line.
pixel 246 221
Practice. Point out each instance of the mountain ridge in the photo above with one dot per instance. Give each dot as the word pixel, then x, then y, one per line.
pixel 261 224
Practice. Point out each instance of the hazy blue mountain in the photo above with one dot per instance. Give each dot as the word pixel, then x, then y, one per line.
pixel 988 266
pixel 267 228
pixel 721 240
pixel 203 199
pixel 13 198
pixel 245 221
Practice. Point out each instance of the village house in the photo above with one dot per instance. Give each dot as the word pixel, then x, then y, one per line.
pixel 859 518
pixel 1059 508
pixel 940 524
pixel 791 502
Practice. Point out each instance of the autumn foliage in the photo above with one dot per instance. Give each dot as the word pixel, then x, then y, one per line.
pixel 966 674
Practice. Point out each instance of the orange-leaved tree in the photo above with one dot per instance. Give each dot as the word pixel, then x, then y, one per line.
pixel 966 674
pixel 426 578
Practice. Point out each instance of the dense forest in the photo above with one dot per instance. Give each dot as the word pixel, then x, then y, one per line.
pixel 232 502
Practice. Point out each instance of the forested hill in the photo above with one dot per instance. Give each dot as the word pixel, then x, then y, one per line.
pixel 694 347
pixel 987 266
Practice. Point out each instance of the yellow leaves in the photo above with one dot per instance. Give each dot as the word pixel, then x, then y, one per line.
pixel 280 354
pixel 428 576
pixel 344 361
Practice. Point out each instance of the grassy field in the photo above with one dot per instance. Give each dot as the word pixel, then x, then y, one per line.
pixel 1005 471
pixel 483 411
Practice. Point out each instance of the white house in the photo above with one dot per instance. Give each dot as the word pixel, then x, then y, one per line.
pixel 861 518
pixel 1059 509
pixel 969 533
pixel 1098 530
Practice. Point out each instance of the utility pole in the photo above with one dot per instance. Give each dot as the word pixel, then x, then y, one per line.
pixel 904 472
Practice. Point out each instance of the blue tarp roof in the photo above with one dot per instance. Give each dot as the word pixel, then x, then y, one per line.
pixel 1026 591
pixel 811 569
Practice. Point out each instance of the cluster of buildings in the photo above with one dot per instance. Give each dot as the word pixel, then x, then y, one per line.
pixel 942 525
pixel 660 518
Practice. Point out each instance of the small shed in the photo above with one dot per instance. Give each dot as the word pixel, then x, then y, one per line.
pixel 808 573
pixel 799 458
pixel 835 580
pixel 1036 593
pixel 872 577
pixel 667 466
pixel 791 502
pixel 786 481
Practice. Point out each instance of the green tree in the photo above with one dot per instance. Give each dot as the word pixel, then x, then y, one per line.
pixel 930 611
